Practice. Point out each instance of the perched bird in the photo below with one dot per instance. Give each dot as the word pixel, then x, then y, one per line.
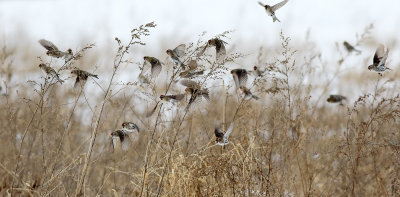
pixel 247 93
pixel 219 48
pixel 258 72
pixel 167 98
pixel 195 91
pixel 172 98
pixel 350 48
pixel 50 72
pixel 155 65
pixel 222 138
pixel 53 51
pixel 272 9
pixel 177 53
pixel 379 61
pixel 130 127
pixel 335 98
pixel 191 71
pixel 240 77
pixel 82 76
pixel 120 137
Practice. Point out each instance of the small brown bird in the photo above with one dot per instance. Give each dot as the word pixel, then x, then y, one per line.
pixel 219 49
pixel 177 53
pixel 195 91
pixel 50 72
pixel 335 98
pixel 247 93
pixel 350 48
pixel 240 77
pixel 130 127
pixel 82 76
pixel 53 51
pixel 155 65
pixel 172 98
pixel 120 136
pixel 191 71
pixel 379 61
pixel 272 9
pixel 222 138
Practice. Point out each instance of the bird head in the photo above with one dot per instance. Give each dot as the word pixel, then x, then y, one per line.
pixel 169 52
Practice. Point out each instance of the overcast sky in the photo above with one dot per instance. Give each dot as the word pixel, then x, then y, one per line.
pixel 100 20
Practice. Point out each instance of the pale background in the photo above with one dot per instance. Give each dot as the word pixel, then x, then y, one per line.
pixel 72 24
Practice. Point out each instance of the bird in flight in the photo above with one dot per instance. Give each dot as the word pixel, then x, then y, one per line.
pixel 222 138
pixel 379 61
pixel 272 9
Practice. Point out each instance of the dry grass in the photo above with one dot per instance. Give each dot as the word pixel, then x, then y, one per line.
pixel 55 140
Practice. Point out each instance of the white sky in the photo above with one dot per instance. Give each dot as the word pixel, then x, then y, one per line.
pixel 66 21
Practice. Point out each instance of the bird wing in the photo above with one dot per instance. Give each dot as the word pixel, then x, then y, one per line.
pixel 279 5
pixel 77 81
pixel 190 84
pixel 126 142
pixel 220 50
pixel 156 69
pixel 379 54
pixel 202 51
pixel 48 45
pixel 236 79
pixel 383 59
pixel 180 50
pixel 217 131
pixel 242 76
pixel 229 131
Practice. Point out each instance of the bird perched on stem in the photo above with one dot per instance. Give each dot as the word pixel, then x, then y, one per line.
pixel 379 61
pixel 50 72
pixel 177 53
pixel 82 76
pixel 272 9
pixel 191 71
pixel 195 91
pixel 53 51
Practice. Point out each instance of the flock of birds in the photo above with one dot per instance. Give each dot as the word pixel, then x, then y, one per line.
pixel 190 71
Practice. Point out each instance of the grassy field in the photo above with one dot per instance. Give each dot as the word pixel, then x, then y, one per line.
pixel 55 139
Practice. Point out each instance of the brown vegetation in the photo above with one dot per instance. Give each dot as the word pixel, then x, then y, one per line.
pixel 55 140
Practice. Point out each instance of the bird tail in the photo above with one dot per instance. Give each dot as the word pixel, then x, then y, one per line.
pixel 274 18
